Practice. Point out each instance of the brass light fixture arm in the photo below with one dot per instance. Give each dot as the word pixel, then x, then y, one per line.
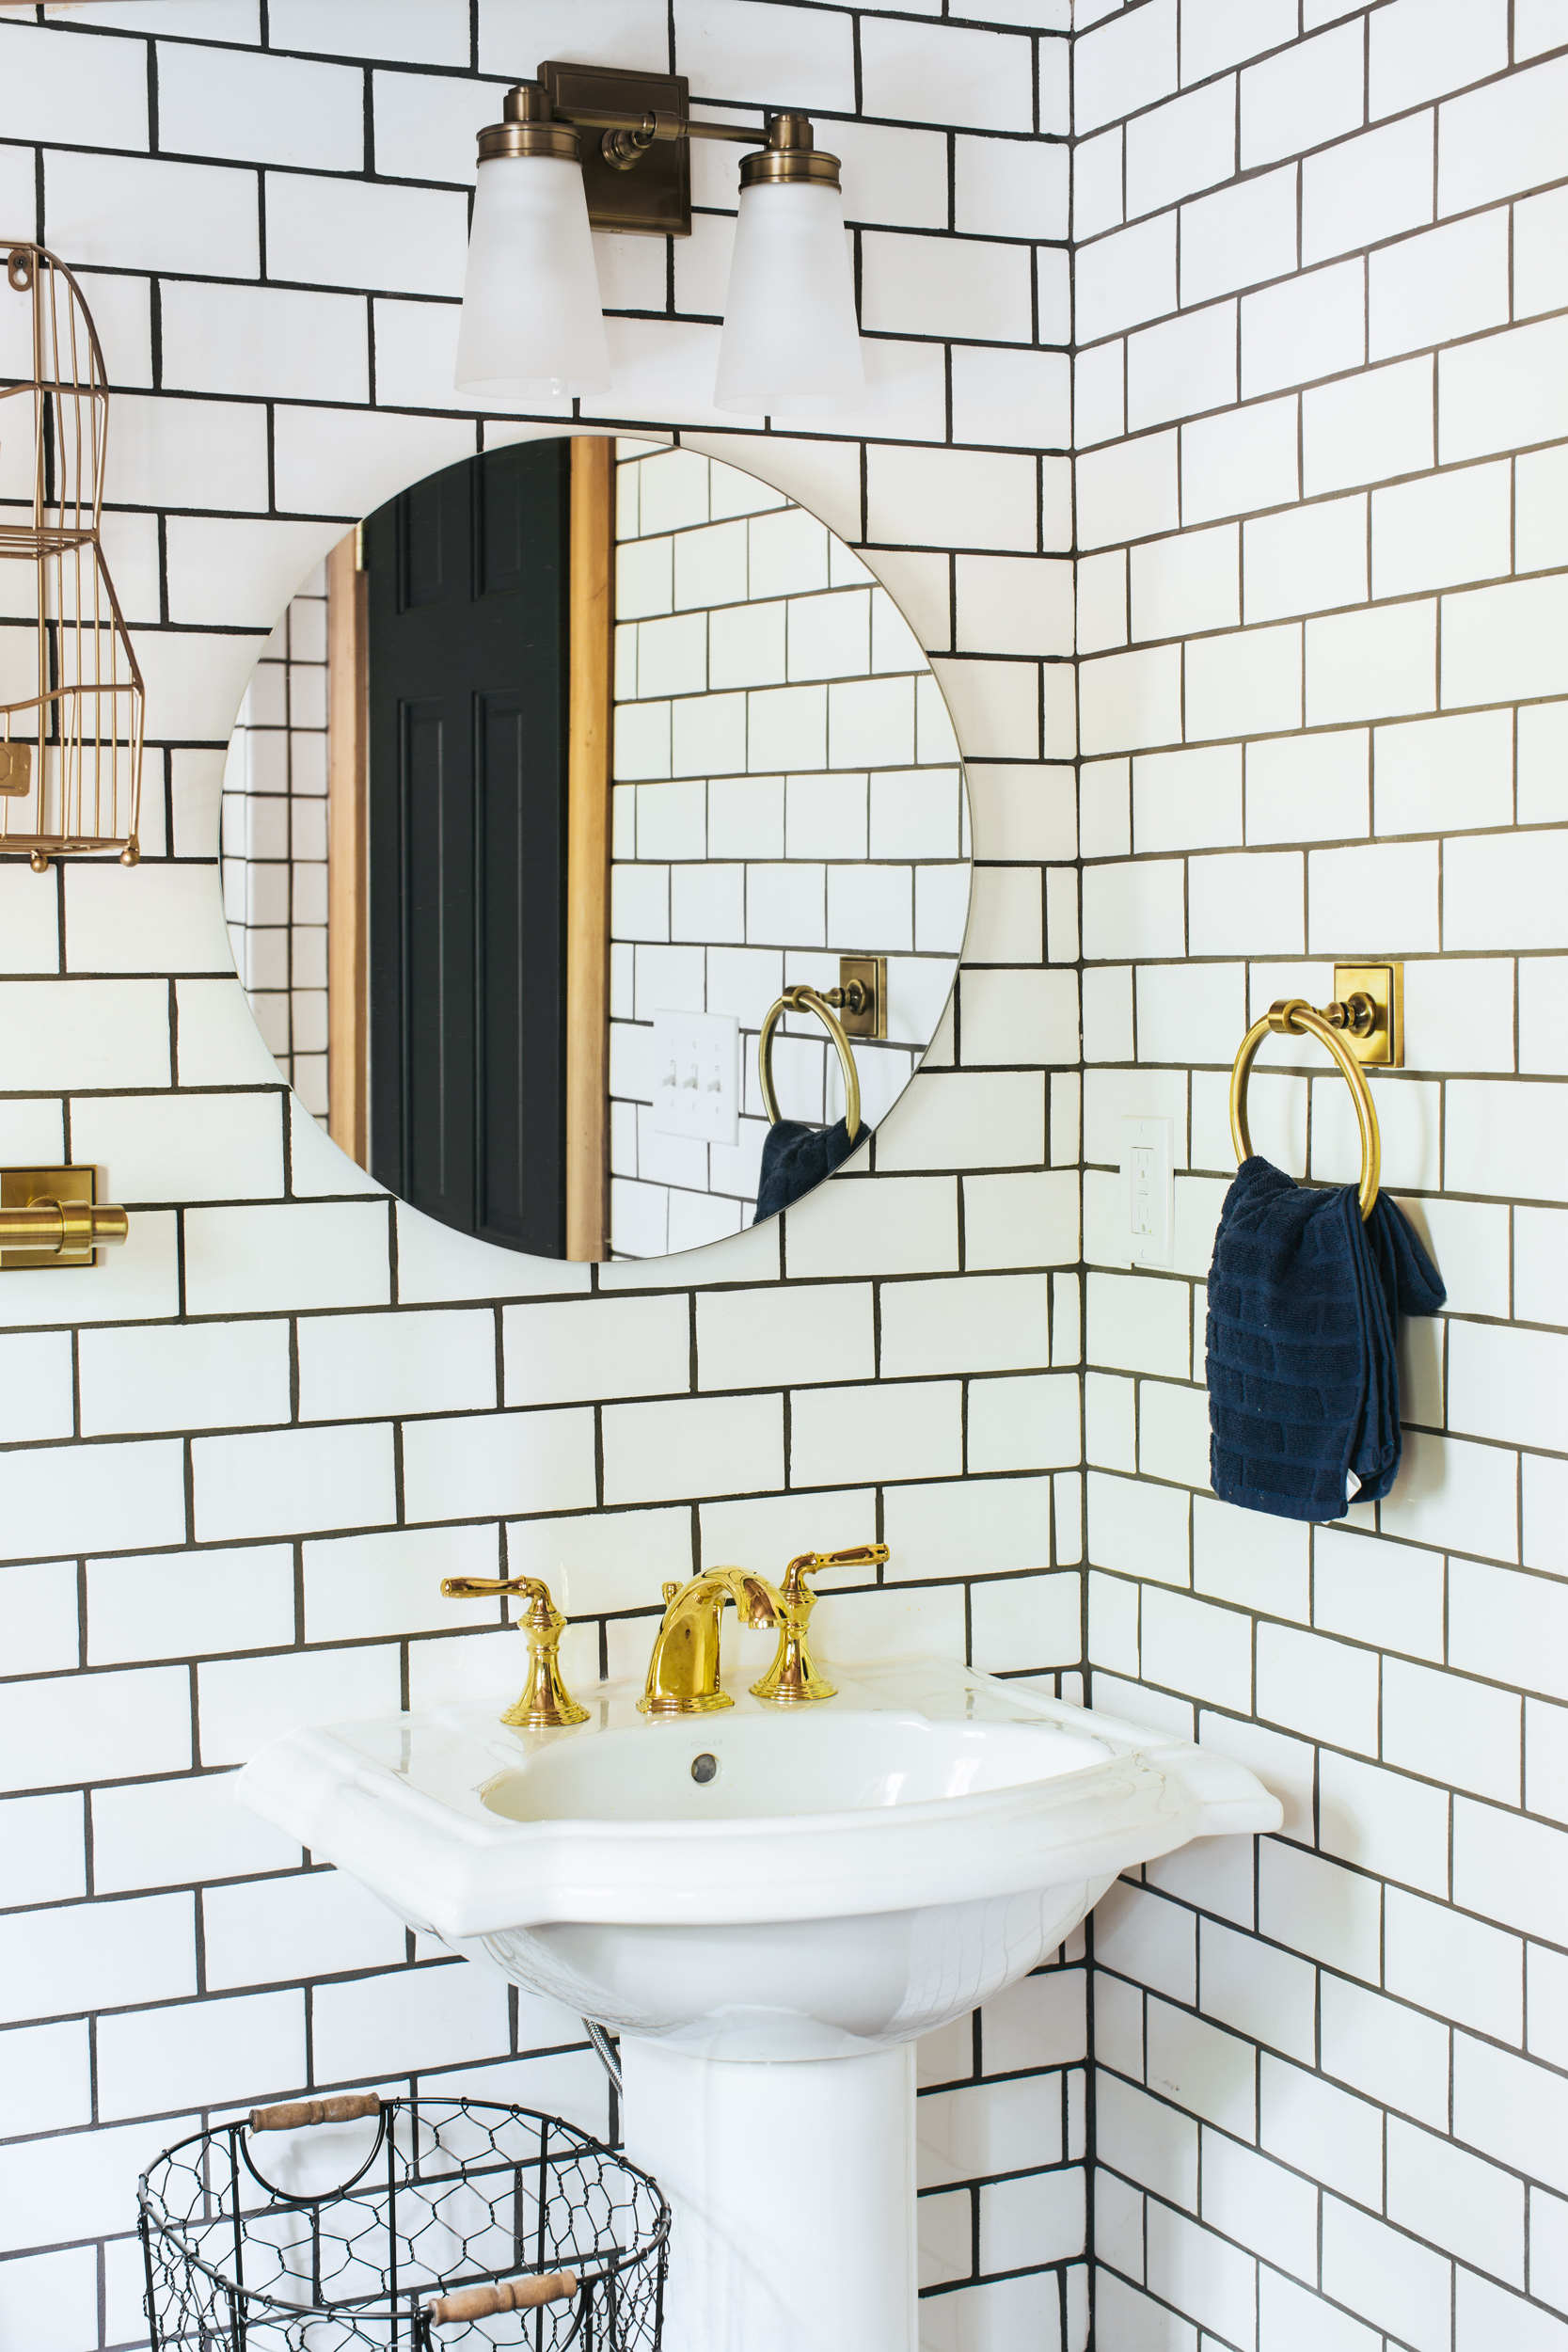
pixel 1292 1016
pixel 793 1678
pixel 49 1216
pixel 545 1703
pixel 683 1669
pixel 539 123
pixel 804 999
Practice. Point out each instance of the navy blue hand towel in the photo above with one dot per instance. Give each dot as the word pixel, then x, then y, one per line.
pixel 795 1159
pixel 1303 1307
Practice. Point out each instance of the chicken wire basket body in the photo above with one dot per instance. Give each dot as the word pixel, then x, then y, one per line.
pixel 339 2240
pixel 71 695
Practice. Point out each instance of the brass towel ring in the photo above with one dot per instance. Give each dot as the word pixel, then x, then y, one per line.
pixel 807 1000
pixel 1293 1016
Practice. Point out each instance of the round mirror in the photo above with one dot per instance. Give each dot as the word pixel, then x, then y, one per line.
pixel 596 849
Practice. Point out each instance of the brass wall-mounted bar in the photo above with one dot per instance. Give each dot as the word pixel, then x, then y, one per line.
pixel 49 1216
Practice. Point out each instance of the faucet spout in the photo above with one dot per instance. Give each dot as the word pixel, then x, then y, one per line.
pixel 683 1671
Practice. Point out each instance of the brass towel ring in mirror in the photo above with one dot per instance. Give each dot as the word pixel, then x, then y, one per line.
pixel 1293 1016
pixel 807 1000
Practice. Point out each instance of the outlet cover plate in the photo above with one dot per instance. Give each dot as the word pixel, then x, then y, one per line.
pixel 1148 1190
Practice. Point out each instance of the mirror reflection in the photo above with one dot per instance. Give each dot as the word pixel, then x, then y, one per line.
pixel 578 769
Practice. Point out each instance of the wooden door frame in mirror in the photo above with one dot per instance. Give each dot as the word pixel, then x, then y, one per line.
pixel 589 727
pixel 590 723
pixel 347 895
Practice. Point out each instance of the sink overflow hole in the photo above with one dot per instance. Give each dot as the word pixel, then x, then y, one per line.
pixel 704 1768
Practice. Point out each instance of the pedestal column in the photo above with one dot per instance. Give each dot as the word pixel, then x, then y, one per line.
pixel 793 2192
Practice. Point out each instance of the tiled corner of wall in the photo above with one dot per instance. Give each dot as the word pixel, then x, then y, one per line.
pixel 236 1460
pixel 1321 716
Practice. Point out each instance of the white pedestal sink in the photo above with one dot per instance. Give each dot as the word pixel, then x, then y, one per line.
pixel 768 1908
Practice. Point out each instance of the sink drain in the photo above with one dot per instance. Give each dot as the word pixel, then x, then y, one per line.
pixel 704 1768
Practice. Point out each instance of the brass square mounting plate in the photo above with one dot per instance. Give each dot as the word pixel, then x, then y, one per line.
pixel 20 1186
pixel 1384 984
pixel 871 972
pixel 654 198
pixel 16 769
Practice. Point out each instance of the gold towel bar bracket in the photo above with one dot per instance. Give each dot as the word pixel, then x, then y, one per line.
pixel 1362 1028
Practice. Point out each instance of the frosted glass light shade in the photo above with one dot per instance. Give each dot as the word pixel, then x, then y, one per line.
pixel 790 343
pixel 531 326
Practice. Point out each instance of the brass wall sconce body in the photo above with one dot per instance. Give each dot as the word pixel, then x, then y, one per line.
pixel 49 1216
pixel 545 1703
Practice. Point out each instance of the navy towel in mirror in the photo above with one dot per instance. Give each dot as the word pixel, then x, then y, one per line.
pixel 795 1159
pixel 1303 1307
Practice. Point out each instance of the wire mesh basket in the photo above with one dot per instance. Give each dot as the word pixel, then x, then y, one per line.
pixel 71 689
pixel 416 2223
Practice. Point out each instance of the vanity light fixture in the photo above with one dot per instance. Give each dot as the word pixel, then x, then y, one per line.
pixel 532 325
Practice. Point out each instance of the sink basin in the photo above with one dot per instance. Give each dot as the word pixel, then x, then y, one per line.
pixel 768 1907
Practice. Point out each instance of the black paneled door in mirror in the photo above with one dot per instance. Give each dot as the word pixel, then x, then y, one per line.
pixel 467 773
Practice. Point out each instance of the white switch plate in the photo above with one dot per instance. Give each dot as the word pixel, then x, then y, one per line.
pixel 1149 1189
pixel 697 1077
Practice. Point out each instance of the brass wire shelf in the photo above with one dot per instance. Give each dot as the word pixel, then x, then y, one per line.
pixel 71 693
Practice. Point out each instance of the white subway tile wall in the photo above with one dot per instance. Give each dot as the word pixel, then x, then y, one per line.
pixel 290 1408
pixel 1331 2081
pixel 1319 274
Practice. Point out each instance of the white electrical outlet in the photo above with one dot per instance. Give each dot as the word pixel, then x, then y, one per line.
pixel 1149 1189
pixel 697 1077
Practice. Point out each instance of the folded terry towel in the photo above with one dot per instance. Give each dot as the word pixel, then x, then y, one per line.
pixel 1304 1306
pixel 795 1159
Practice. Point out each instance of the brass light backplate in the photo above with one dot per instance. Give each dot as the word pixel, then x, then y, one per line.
pixel 654 198
pixel 16 770
pixel 20 1186
pixel 1384 984
pixel 871 972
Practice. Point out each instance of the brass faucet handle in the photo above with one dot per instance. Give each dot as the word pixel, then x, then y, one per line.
pixel 480 1588
pixel 545 1703
pixel 807 1563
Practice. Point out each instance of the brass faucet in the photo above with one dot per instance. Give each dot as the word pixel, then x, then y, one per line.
pixel 545 1703
pixel 683 1671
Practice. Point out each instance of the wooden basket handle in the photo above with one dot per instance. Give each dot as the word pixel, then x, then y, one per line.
pixel 346 2109
pixel 506 2294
